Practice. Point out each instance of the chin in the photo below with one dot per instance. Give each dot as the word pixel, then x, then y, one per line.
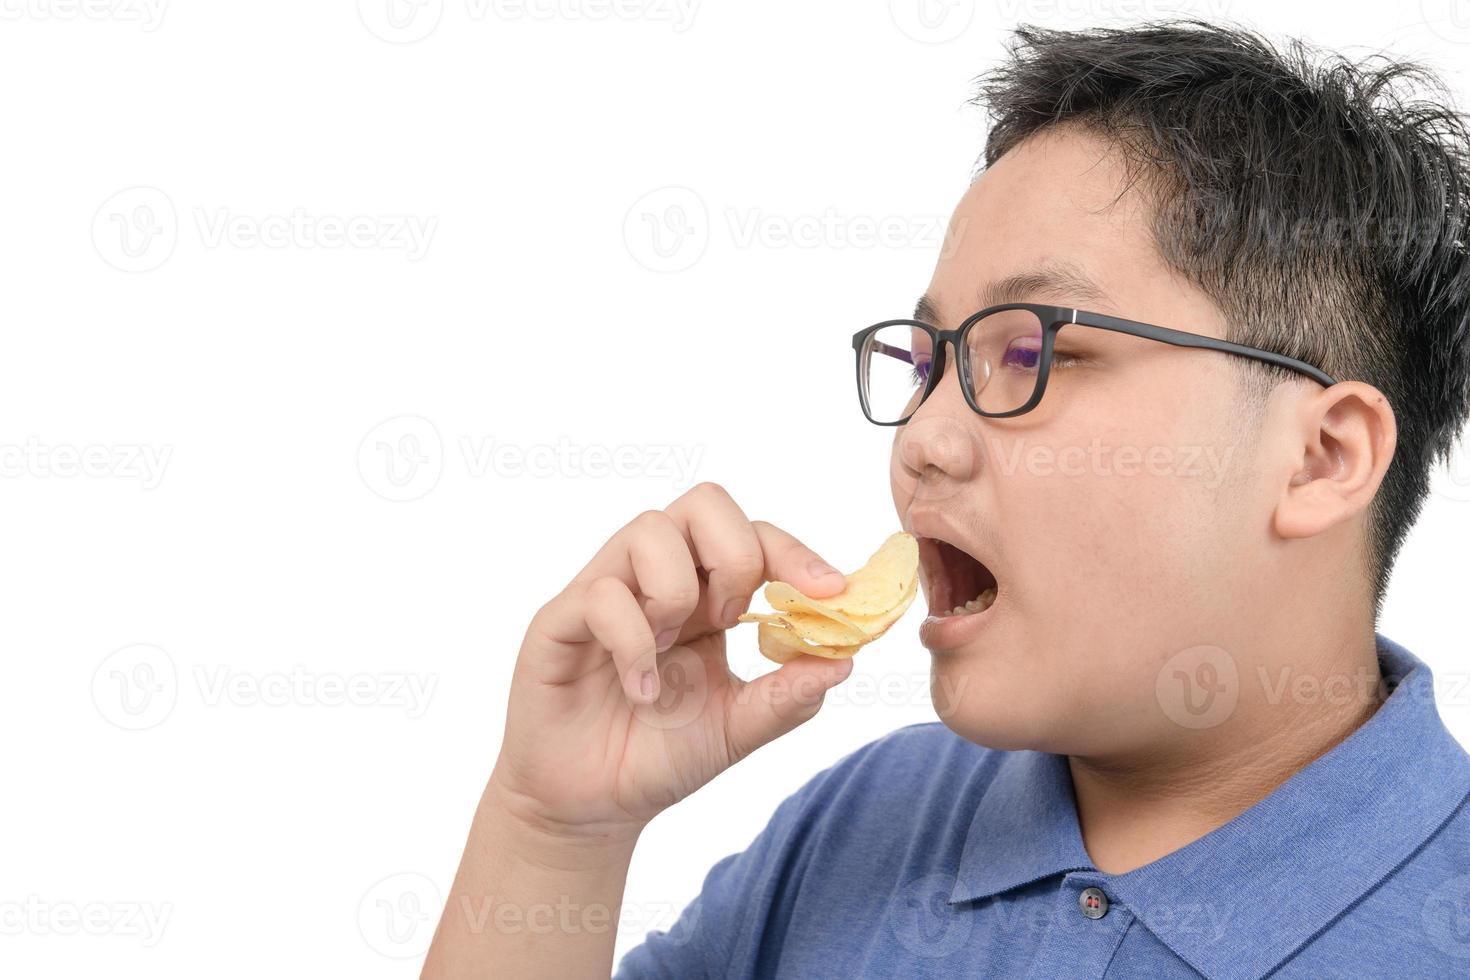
pixel 975 708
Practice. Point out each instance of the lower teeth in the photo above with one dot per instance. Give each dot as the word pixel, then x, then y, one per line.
pixel 980 603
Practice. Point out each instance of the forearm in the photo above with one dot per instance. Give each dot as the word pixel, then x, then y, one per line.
pixel 528 903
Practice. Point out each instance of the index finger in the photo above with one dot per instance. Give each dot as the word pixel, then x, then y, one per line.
pixel 788 560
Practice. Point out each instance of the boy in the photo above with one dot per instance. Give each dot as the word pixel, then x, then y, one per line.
pixel 1174 393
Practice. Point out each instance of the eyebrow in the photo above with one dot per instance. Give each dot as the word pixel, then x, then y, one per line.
pixel 1054 279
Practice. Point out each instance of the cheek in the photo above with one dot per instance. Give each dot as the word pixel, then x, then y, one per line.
pixel 1116 526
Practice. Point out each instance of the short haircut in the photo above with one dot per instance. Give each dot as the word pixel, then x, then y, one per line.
pixel 1319 202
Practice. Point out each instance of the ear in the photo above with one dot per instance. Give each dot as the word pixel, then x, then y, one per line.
pixel 1347 437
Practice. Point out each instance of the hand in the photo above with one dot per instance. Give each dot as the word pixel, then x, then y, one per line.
pixel 603 732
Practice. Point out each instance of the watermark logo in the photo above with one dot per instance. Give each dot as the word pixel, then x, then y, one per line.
pixel 147 14
pixel 401 459
pixel 932 21
pixel 1198 687
pixel 1446 917
pixel 667 230
pixel 396 915
pixel 749 227
pixel 34 916
pixel 683 690
pixel 400 21
pixel 565 917
pixel 298 687
pixel 136 687
pixel 37 460
pixel 136 229
pixel 1185 462
pixel 408 21
pixel 924 922
pixel 670 229
pixel 1449 19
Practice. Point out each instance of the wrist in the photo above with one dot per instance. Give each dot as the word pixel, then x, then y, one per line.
pixel 516 821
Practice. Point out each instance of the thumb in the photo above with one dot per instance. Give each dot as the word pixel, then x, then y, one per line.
pixel 775 703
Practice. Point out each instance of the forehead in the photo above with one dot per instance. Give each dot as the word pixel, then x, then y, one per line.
pixel 1060 200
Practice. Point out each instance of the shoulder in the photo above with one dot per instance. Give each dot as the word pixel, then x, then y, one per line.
pixel 1417 919
pixel 828 852
pixel 921 777
pixel 904 759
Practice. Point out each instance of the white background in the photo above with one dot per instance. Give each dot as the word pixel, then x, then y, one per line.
pixel 204 545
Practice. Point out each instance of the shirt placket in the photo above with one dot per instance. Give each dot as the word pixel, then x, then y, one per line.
pixel 1086 926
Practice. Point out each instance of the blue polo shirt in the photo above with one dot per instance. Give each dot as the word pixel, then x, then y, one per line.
pixel 924 855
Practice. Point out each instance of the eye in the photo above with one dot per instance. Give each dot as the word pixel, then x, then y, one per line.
pixel 919 375
pixel 1021 358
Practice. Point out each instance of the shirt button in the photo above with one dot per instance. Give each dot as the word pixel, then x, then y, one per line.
pixel 1094 902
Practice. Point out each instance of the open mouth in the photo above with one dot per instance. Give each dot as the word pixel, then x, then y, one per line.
pixel 956 583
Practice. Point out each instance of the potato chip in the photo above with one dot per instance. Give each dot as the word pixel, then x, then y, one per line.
pixel 818 629
pixel 781 644
pixel 876 596
pixel 877 587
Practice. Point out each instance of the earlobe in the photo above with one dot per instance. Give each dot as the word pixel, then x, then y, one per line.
pixel 1347 438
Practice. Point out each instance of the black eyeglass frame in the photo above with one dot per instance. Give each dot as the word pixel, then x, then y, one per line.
pixel 1053 318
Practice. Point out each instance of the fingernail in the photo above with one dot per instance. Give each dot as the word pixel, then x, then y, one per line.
pixel 645 685
pixel 732 609
pixel 665 639
pixel 818 568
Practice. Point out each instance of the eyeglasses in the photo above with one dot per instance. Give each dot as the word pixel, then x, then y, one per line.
pixel 1004 355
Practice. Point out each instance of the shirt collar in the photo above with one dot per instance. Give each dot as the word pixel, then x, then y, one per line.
pixel 1228 902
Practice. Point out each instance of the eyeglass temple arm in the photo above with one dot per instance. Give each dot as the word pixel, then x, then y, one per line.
pixel 896 352
pixel 1180 338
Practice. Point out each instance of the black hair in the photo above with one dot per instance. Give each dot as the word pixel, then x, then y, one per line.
pixel 1318 201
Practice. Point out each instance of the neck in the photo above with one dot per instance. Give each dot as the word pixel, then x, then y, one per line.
pixel 1138 806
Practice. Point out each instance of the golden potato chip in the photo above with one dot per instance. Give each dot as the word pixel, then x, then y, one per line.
pixel 809 626
pixel 877 595
pixel 876 625
pixel 820 629
pixel 775 618
pixel 780 644
pixel 787 598
pixel 877 587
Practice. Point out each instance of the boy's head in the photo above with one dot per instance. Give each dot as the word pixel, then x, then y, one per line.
pixel 1160 499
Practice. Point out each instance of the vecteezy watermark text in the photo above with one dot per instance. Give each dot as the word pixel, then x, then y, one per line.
pixel 138 228
pixel 138 686
pixel 408 21
pixel 121 461
pixel 1099 459
pixel 403 458
pixel 669 229
pixel 147 14
pixel 34 916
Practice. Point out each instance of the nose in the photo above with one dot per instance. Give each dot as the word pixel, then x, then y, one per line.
pixel 937 451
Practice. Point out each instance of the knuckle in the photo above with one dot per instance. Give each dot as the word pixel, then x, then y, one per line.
pixel 567 595
pixel 708 488
pixel 604 589
pixel 652 523
pixel 682 599
pixel 744 566
pixel 651 518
